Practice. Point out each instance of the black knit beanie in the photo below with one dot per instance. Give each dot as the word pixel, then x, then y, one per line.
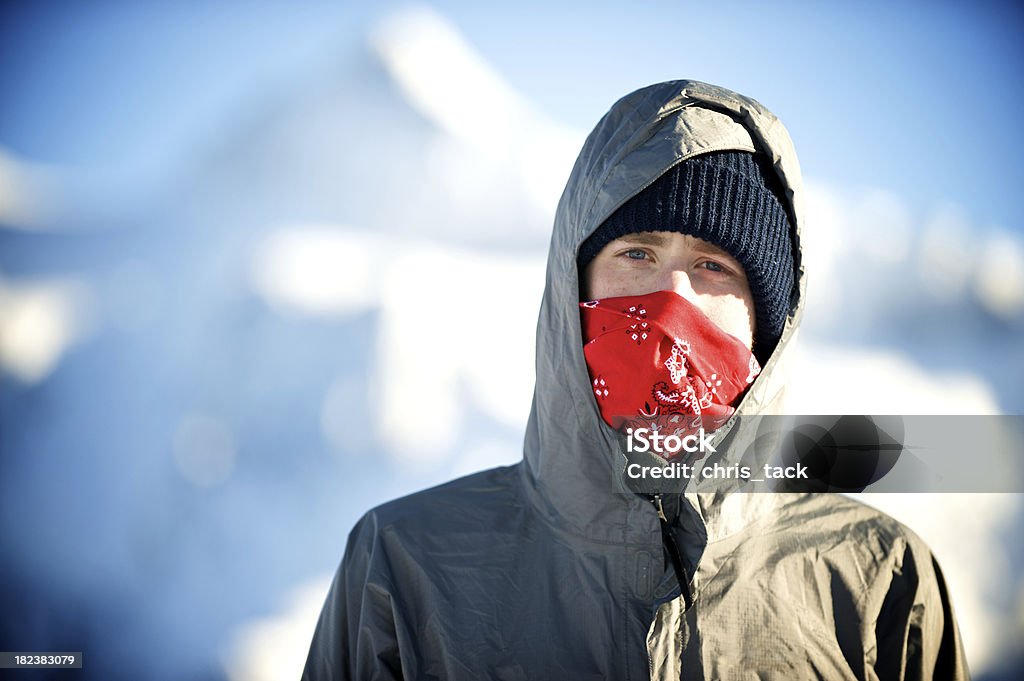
pixel 734 200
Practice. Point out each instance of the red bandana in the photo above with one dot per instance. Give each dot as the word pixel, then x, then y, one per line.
pixel 657 362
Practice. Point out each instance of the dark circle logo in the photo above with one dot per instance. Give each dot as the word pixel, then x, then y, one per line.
pixel 841 453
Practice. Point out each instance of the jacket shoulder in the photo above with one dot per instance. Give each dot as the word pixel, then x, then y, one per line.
pixel 849 537
pixel 470 501
pixel 856 520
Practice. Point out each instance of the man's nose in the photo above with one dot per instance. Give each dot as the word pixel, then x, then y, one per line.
pixel 679 281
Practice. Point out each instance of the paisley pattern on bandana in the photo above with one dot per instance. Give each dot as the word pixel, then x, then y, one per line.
pixel 656 361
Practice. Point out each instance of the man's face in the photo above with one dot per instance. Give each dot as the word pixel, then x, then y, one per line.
pixel 707 276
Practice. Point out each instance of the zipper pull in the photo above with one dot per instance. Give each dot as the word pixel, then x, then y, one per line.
pixel 661 509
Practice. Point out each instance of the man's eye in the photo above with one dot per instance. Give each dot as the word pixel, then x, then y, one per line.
pixel 713 266
pixel 636 254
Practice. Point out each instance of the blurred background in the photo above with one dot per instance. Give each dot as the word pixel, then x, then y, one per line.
pixel 265 265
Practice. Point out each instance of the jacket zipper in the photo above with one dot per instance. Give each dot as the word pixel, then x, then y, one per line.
pixel 673 552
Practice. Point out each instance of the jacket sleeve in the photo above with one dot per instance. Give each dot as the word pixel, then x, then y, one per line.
pixel 916 632
pixel 355 637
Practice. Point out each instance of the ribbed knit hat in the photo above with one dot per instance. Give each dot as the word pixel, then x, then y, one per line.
pixel 734 200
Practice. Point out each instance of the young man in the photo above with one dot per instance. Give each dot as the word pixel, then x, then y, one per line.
pixel 679 230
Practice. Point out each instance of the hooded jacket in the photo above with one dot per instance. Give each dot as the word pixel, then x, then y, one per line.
pixel 551 569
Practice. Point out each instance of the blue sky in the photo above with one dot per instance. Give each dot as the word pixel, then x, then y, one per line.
pixel 918 98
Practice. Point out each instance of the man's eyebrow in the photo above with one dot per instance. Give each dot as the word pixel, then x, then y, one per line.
pixel 710 248
pixel 644 238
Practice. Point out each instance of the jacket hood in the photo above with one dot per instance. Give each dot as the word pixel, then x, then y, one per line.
pixel 573 460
